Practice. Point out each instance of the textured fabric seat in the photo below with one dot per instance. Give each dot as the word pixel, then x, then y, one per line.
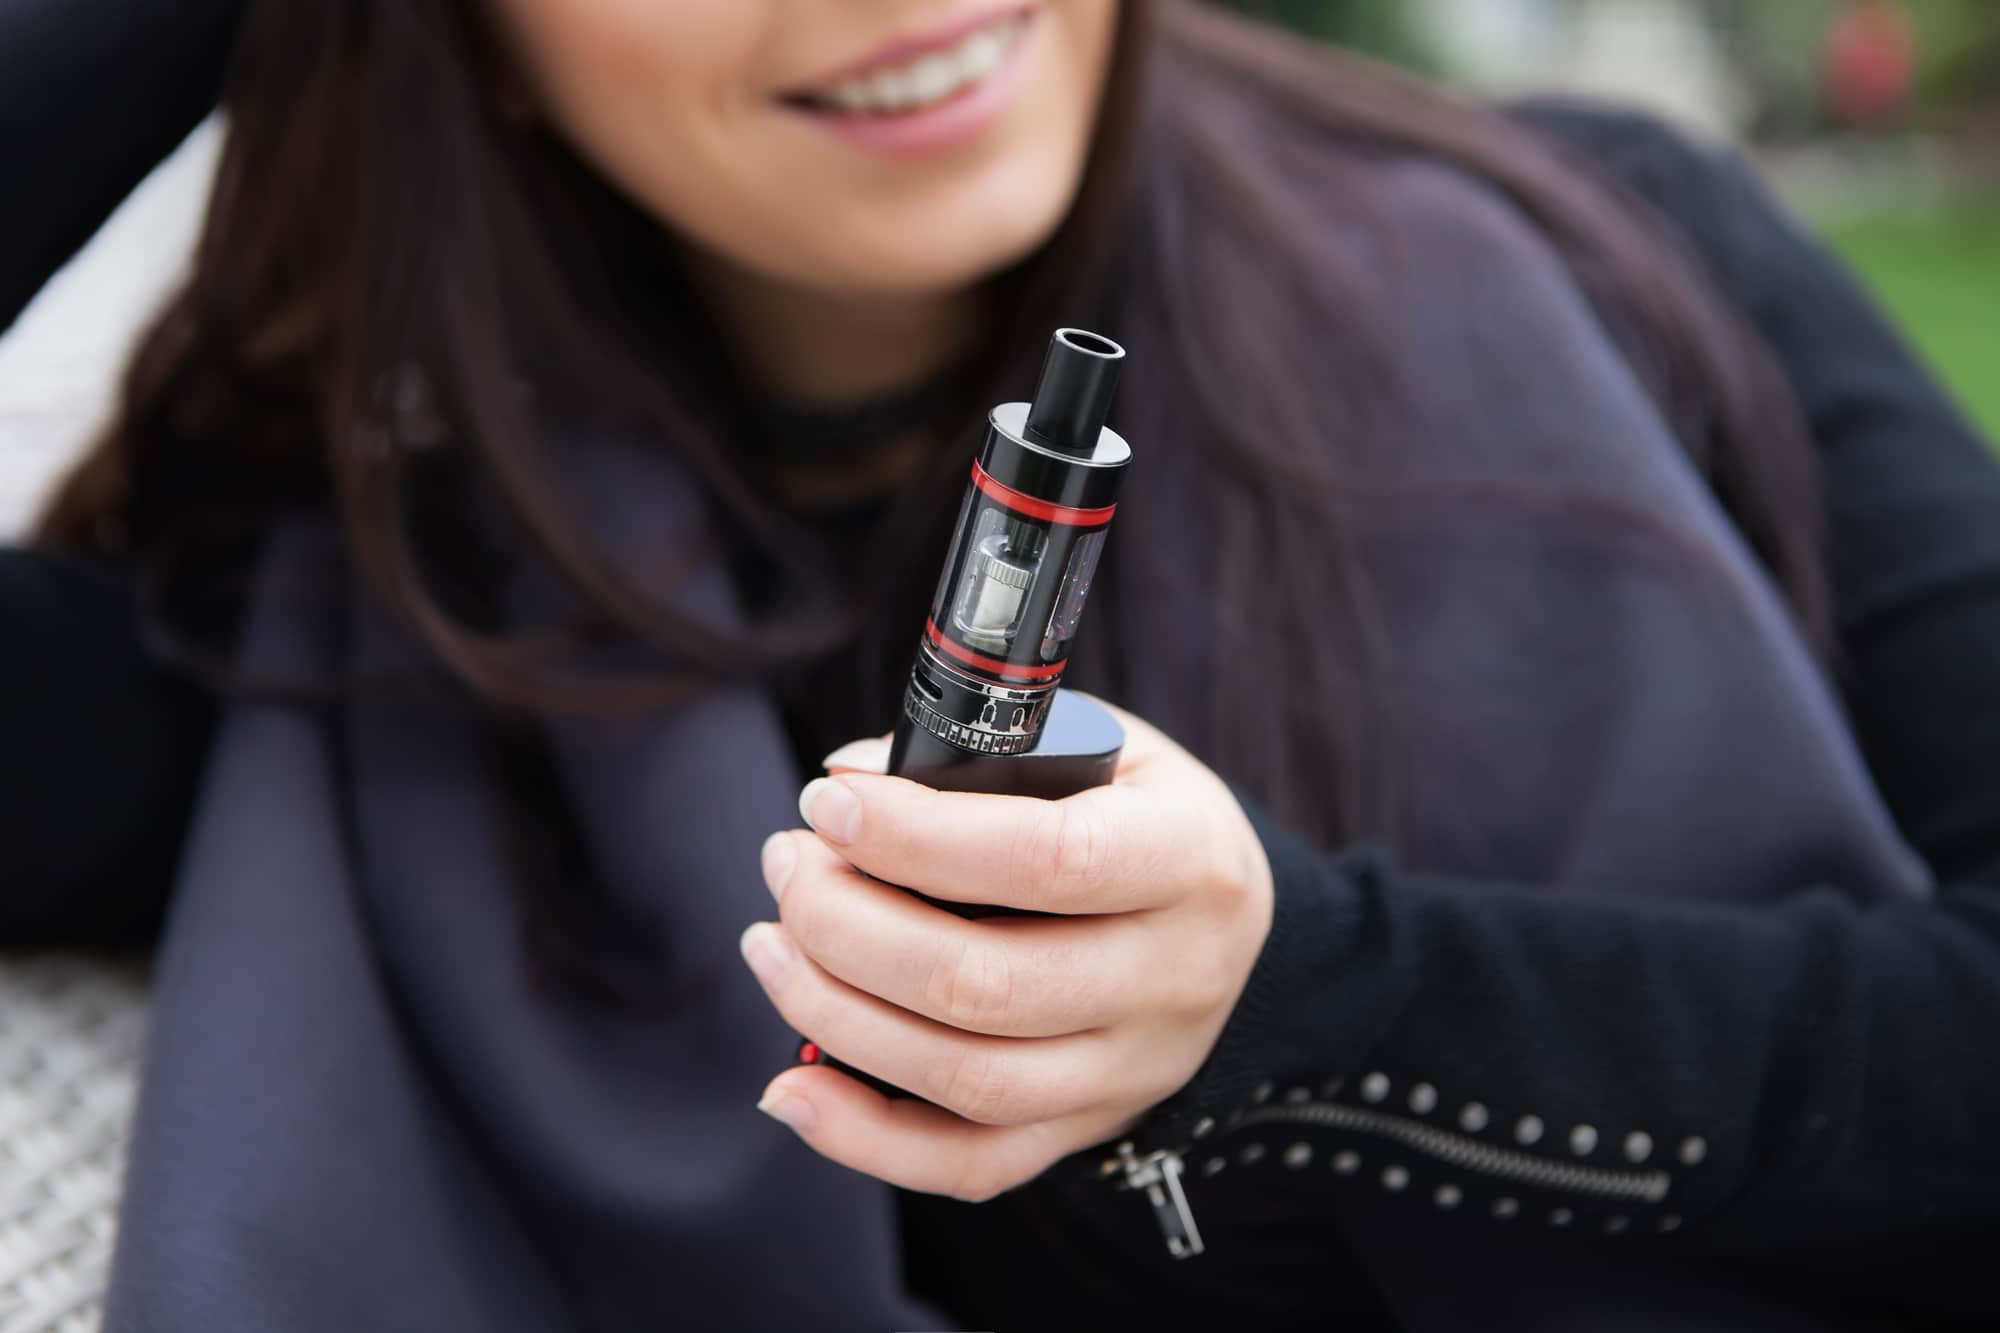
pixel 70 1033
pixel 70 1027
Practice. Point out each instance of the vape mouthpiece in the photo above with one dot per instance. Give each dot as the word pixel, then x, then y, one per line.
pixel 1079 378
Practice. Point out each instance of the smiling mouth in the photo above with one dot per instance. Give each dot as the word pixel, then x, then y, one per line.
pixel 923 81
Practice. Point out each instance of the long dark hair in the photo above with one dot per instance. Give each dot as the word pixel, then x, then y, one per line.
pixel 383 264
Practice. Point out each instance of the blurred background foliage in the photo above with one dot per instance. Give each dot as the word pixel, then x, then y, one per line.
pixel 1939 275
pixel 1878 120
pixel 1383 28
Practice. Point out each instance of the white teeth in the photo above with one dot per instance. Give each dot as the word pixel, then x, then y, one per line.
pixel 982 51
pixel 891 89
pixel 928 79
pixel 933 77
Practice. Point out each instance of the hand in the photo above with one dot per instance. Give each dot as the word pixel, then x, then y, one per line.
pixel 1028 1037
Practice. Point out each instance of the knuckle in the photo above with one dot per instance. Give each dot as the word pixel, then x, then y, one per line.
pixel 1206 981
pixel 901 820
pixel 1228 861
pixel 1069 849
pixel 1082 843
pixel 977 1087
pixel 973 989
pixel 944 988
pixel 802 909
pixel 977 1182
pixel 803 1006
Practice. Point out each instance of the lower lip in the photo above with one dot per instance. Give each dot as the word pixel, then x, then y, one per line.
pixel 938 128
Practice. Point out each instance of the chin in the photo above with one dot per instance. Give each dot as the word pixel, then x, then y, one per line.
pixel 958 244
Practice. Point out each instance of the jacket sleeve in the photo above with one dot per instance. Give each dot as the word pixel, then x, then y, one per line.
pixel 104 751
pixel 1801 1087
pixel 93 94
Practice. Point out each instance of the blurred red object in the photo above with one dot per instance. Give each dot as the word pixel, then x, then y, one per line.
pixel 1870 61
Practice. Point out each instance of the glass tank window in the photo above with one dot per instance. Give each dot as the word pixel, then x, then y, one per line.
pixel 999 573
pixel 1075 590
pixel 941 598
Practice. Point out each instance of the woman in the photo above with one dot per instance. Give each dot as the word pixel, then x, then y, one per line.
pixel 1471 527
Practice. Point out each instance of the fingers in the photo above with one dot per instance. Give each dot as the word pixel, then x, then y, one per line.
pixel 870 755
pixel 912 1144
pixel 988 1080
pixel 1110 849
pixel 1002 976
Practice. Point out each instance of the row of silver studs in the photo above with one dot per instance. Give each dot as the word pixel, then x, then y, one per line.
pixel 1396 1179
pixel 1473 1117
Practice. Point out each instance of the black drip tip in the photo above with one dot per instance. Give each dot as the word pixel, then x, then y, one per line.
pixel 1078 381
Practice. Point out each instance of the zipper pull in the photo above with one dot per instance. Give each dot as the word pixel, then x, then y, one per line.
pixel 1159 1175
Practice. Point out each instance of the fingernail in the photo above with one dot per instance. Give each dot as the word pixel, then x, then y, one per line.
pixel 831 809
pixel 779 856
pixel 871 755
pixel 796 1113
pixel 767 953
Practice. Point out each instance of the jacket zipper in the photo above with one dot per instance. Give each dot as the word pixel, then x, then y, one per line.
pixel 1469 1154
pixel 1158 1173
pixel 1158 1176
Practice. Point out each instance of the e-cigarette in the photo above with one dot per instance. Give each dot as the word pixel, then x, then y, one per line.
pixel 983 711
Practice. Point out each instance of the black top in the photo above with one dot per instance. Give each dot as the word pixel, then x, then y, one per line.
pixel 83 119
pixel 1784 1013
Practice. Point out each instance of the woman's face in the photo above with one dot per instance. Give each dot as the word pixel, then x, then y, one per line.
pixel 852 147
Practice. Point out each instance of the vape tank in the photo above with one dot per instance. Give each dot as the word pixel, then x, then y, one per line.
pixel 983 691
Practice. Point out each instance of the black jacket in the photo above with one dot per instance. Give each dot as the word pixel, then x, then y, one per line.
pixel 1841 1056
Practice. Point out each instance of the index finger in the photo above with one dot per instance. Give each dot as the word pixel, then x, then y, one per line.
pixel 1104 850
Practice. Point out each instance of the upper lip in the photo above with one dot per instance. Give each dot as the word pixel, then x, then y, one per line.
pixel 902 50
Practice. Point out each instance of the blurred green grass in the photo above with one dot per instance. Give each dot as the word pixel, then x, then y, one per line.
pixel 1939 276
